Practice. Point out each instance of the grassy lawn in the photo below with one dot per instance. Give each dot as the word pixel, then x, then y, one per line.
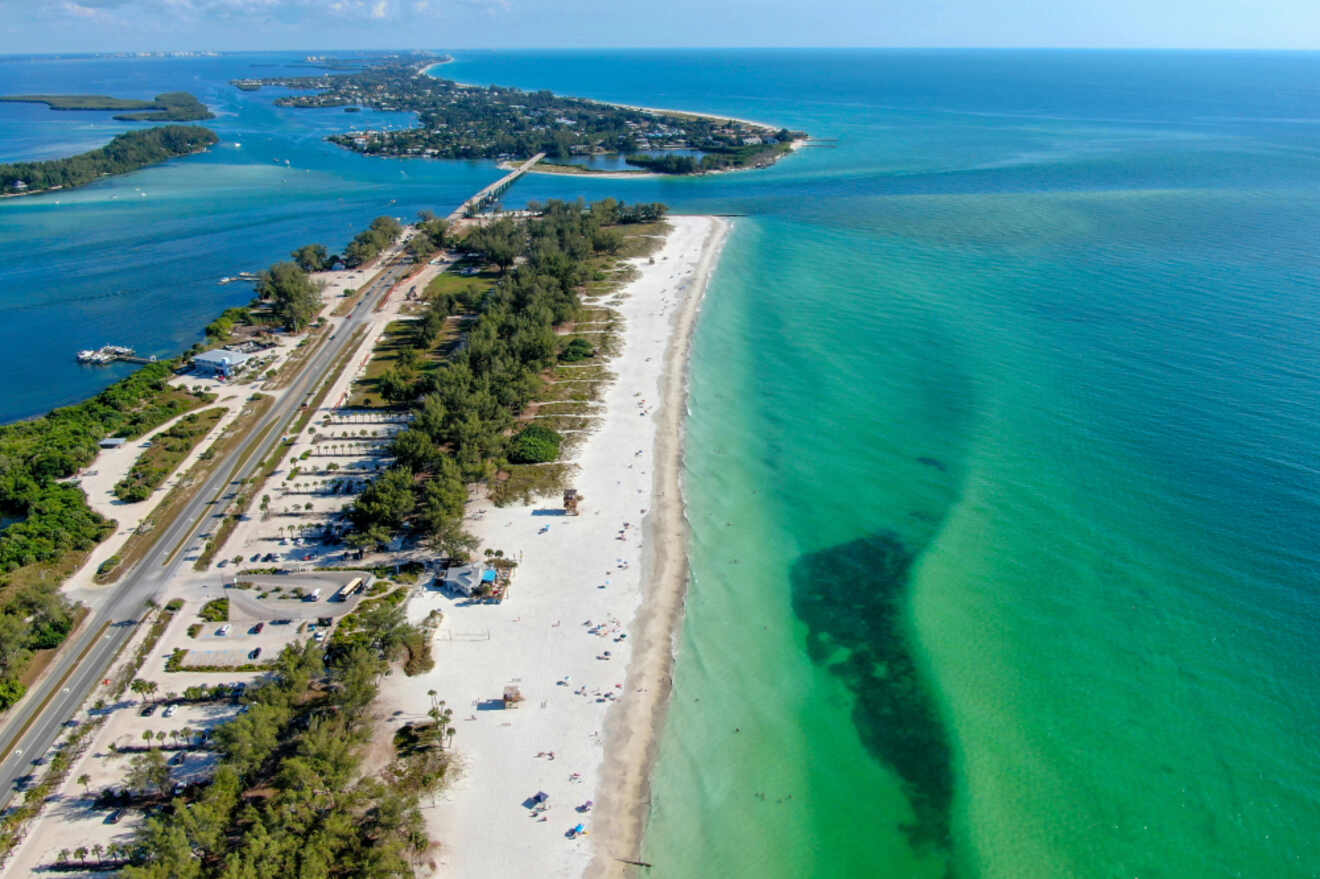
pixel 167 451
pixel 523 482
pixel 451 282
pixel 366 393
pixel 397 337
pixel 642 239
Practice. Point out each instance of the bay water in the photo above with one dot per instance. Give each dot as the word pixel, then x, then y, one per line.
pixel 1001 458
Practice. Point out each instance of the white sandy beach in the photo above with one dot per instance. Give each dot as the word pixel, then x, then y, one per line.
pixel 586 632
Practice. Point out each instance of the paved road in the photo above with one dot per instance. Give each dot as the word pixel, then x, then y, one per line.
pixel 123 607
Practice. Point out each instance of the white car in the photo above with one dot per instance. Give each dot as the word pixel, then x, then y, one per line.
pixel 169 712
pixel 223 630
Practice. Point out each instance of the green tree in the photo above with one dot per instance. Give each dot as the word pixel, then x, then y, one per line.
pixel 148 772
pixel 312 258
pixel 388 501
pixel 293 298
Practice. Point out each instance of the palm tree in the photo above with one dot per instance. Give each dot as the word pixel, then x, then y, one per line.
pixel 85 780
pixel 160 737
pixel 81 854
pixel 97 848
pixel 65 854
pixel 147 737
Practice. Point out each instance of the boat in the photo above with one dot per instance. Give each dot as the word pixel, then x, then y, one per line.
pixel 109 354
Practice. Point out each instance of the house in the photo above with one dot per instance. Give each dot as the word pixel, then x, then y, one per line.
pixel 220 363
pixel 467 579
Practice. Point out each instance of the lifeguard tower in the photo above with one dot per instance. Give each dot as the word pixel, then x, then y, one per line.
pixel 571 501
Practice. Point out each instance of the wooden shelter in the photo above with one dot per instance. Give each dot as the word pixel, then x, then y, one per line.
pixel 571 500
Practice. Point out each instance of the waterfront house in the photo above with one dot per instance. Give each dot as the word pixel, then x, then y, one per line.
pixel 220 363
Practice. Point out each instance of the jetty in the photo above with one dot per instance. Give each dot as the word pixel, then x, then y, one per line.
pixel 488 196
pixel 108 354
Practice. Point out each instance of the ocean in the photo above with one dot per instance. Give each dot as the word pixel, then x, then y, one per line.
pixel 1001 457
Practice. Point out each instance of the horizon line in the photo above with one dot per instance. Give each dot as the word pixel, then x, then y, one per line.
pixel 677 48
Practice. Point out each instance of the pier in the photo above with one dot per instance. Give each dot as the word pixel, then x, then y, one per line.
pixel 108 354
pixel 491 194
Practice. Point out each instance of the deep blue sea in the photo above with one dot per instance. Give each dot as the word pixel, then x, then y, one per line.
pixel 1002 455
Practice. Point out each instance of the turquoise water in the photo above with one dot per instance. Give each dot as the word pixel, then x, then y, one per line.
pixel 1001 458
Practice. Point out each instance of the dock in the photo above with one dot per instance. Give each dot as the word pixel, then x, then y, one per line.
pixel 107 354
pixel 488 196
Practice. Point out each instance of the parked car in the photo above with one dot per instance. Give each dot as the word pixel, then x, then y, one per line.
pixel 256 651
pixel 169 711
pixel 222 563
pixel 319 636
pixel 256 629
pixel 256 557
pixel 113 817
pixel 223 630
pixel 147 710
pixel 178 758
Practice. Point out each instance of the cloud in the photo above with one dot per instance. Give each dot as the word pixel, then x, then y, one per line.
pixel 182 12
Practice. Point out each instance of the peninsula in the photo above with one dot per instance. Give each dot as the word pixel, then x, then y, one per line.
pixel 398 416
pixel 458 121
pixel 167 107
pixel 126 152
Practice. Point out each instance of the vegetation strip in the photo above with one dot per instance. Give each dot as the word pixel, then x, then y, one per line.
pixel 290 793
pixel 124 153
pixel 56 528
pixel 34 714
pixel 169 508
pixel 466 427
pixel 167 450
pixel 167 107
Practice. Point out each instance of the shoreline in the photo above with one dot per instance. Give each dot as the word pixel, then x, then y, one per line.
pixel 587 631
pixel 426 71
pixel 542 168
pixel 633 732
pixel 51 189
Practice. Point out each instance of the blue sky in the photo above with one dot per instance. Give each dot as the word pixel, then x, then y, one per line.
pixel 115 25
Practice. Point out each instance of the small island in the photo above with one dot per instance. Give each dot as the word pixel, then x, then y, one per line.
pixel 457 121
pixel 167 107
pixel 126 152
